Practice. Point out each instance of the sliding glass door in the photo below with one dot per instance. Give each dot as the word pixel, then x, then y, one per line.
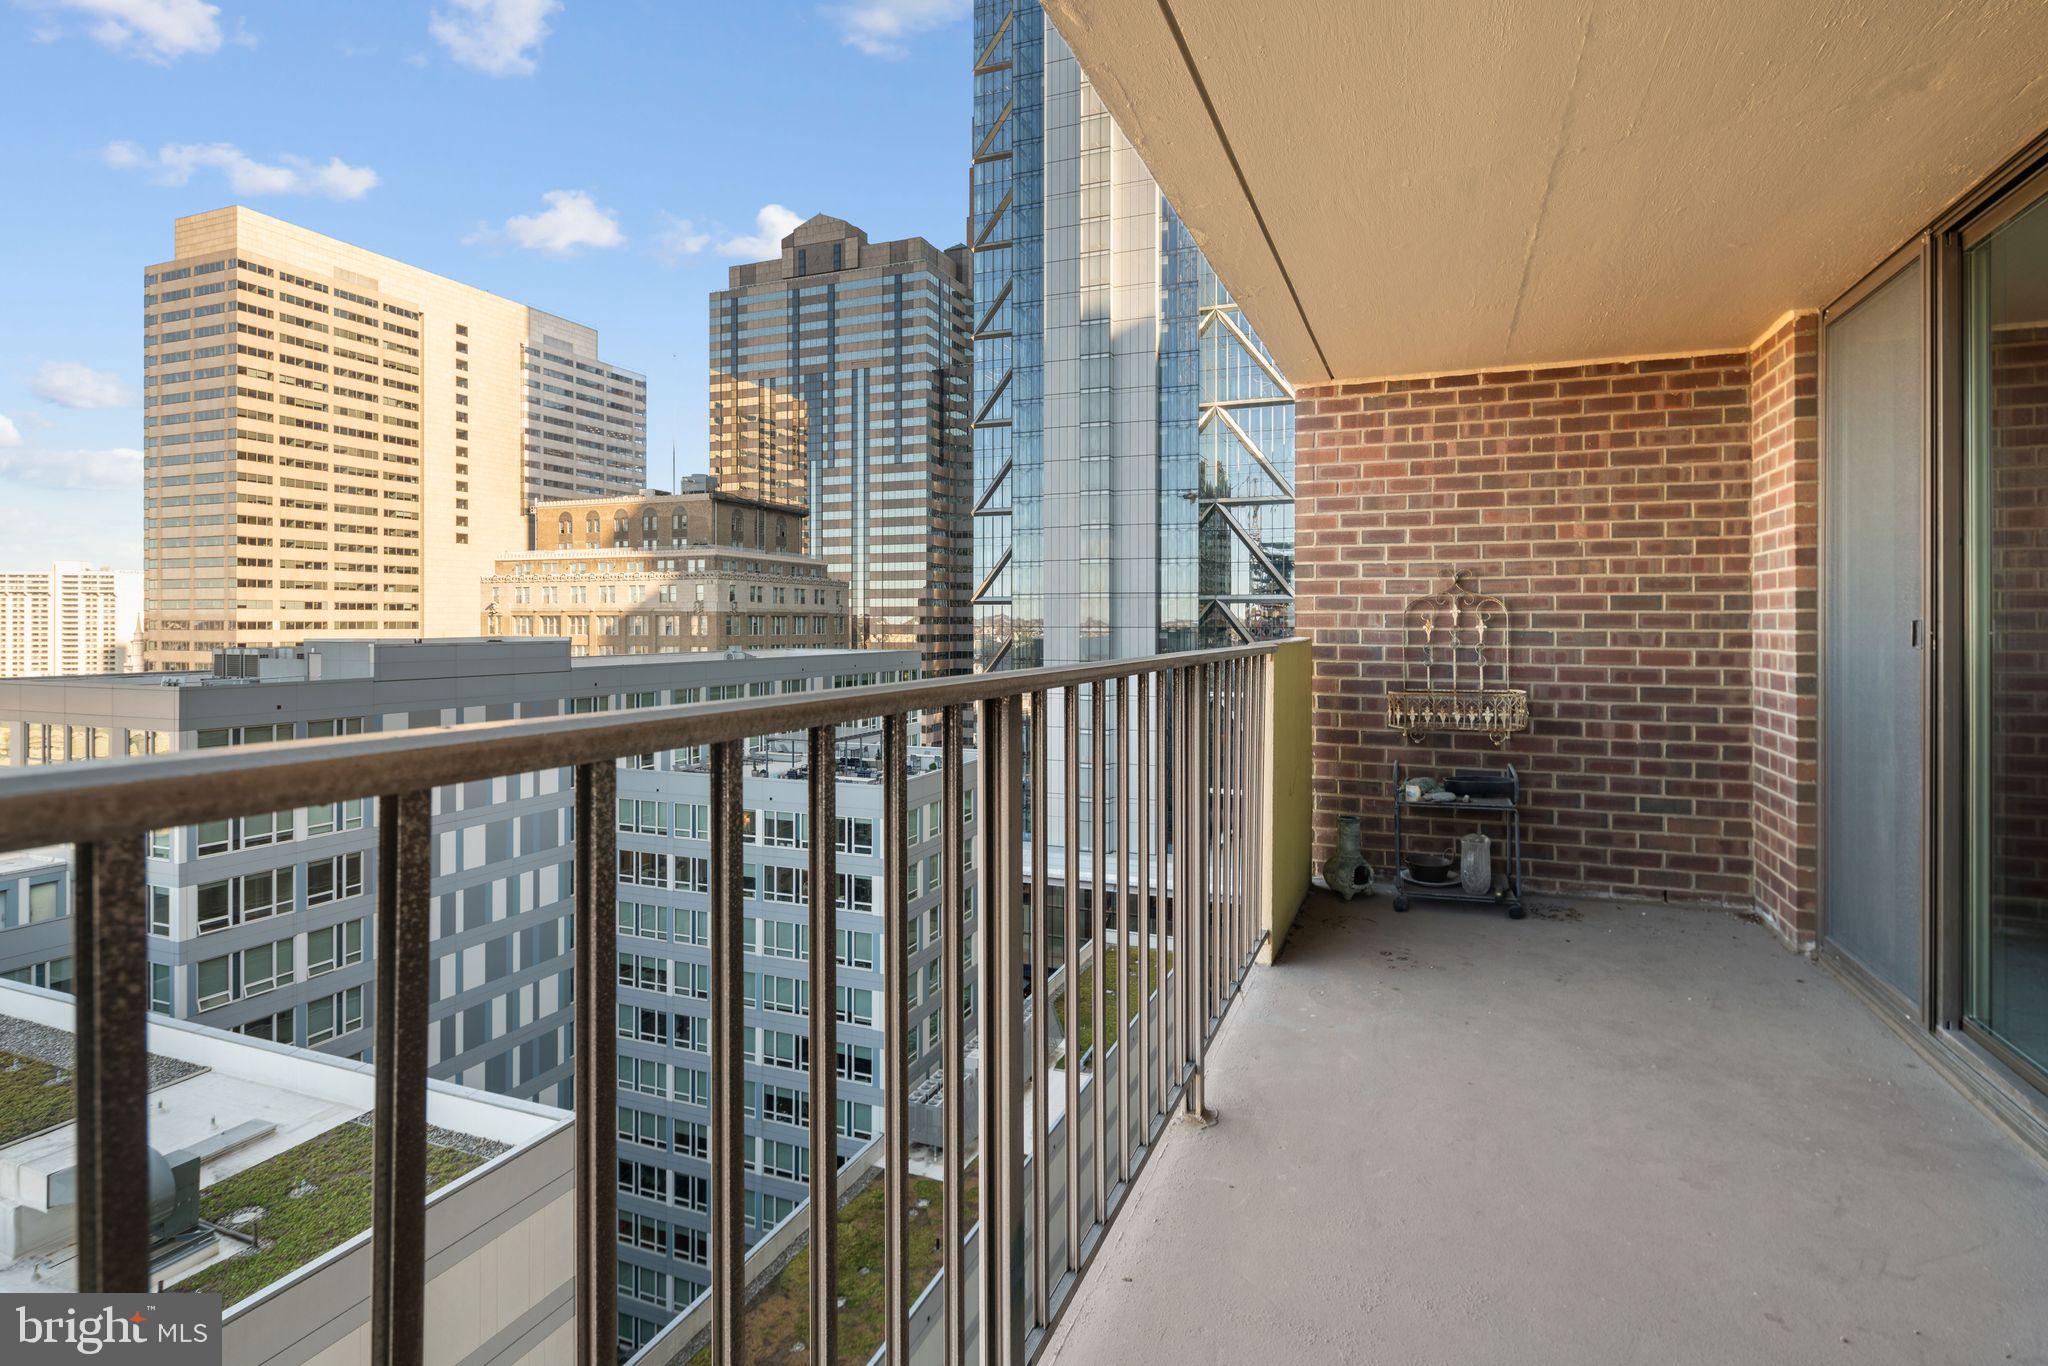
pixel 2005 417
pixel 1873 741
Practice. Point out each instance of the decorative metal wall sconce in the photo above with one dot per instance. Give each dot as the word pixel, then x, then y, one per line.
pixel 1456 657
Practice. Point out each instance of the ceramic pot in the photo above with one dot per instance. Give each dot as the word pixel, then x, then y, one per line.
pixel 1346 872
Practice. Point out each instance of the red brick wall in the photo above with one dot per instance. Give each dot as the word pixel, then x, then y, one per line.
pixel 1784 500
pixel 1609 506
pixel 1612 506
pixel 2019 608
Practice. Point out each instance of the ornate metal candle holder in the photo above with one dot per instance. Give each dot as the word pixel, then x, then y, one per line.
pixel 1456 648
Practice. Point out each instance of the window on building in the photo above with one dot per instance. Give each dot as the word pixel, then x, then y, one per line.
pixel 42 902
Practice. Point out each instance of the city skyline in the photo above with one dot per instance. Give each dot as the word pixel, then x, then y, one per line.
pixel 132 126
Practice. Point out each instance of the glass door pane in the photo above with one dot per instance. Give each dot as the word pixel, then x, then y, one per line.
pixel 2006 371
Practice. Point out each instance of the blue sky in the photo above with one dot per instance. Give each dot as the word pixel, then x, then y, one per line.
pixel 606 160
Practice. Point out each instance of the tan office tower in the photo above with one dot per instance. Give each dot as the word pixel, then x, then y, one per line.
pixel 839 384
pixel 334 442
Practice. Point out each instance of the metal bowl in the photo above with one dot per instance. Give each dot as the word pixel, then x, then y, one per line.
pixel 1431 867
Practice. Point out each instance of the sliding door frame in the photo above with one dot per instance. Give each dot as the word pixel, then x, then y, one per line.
pixel 2011 1087
pixel 2008 1087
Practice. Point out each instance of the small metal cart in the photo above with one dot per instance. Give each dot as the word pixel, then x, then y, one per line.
pixel 1508 808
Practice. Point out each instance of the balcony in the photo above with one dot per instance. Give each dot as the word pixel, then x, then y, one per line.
pixel 1199 834
pixel 1608 1133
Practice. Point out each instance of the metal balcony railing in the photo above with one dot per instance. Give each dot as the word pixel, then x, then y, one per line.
pixel 1180 841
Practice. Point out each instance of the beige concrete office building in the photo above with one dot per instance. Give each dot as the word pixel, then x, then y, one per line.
pixel 334 441
pixel 839 382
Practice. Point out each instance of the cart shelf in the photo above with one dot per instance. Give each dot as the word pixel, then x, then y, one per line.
pixel 1506 809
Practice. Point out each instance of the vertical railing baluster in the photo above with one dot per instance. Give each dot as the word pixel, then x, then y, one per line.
pixel 1209 879
pixel 1041 1011
pixel 1217 772
pixel 898 940
pixel 398 1164
pixel 822 779
pixel 1262 826
pixel 1244 835
pixel 1070 961
pixel 1186 902
pixel 1098 920
pixel 953 1032
pixel 1244 813
pixel 1161 726
pixel 1226 825
pixel 728 1157
pixel 1196 824
pixel 1233 832
pixel 110 1030
pixel 1003 1287
pixel 1218 729
pixel 1124 951
pixel 1175 853
pixel 1255 825
pixel 1176 831
pixel 1254 831
pixel 1143 740
pixel 1246 780
pixel 1235 824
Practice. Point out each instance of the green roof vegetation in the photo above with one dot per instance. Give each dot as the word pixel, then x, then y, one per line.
pixel 1086 988
pixel 294 1229
pixel 29 1103
pixel 779 1318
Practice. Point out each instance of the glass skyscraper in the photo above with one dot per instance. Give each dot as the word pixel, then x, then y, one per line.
pixel 1133 440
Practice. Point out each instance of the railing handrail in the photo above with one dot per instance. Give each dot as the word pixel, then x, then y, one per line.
pixel 108 798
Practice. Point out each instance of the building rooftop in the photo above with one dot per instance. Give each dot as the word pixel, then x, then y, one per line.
pixel 691 491
pixel 33 860
pixel 264 1167
pixel 318 661
pixel 580 553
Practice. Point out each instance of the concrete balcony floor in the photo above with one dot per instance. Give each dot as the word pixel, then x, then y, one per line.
pixel 1602 1134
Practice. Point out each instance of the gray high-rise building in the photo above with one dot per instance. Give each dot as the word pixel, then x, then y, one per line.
pixel 1133 441
pixel 839 383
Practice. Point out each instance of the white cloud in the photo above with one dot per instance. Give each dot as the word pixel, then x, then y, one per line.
pixel 496 37
pixel 571 221
pixel 882 28
pixel 10 435
pixel 679 237
pixel 71 385
pixel 175 164
pixel 771 225
pixel 159 31
pixel 119 468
